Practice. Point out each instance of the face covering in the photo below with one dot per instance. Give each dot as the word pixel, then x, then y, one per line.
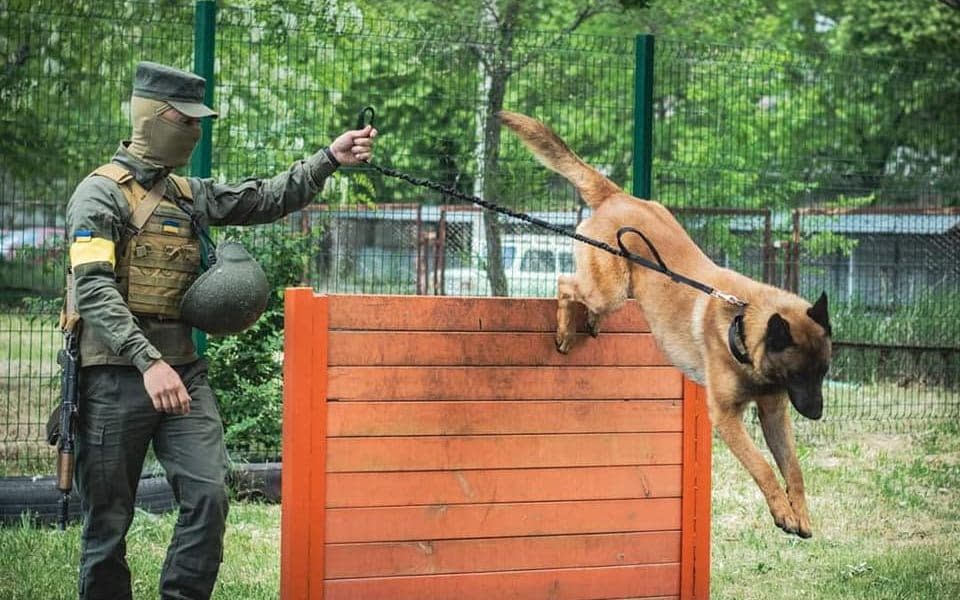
pixel 158 140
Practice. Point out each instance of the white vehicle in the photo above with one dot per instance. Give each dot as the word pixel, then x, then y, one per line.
pixel 531 264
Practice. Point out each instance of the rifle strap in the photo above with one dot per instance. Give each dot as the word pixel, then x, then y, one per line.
pixel 141 214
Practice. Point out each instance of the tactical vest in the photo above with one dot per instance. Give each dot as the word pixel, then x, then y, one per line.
pixel 159 253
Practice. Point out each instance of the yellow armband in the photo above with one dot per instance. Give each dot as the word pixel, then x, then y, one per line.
pixel 87 249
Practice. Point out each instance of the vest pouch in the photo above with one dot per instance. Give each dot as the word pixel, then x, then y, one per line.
pixel 159 264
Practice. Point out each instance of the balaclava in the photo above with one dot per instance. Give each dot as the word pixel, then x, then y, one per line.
pixel 158 140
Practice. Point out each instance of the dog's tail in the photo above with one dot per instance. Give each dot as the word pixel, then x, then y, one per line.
pixel 554 153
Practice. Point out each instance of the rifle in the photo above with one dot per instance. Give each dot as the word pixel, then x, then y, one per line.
pixel 62 425
pixel 68 358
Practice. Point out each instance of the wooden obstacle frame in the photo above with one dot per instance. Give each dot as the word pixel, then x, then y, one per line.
pixel 441 448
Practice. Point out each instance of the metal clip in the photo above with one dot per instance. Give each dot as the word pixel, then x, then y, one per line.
pixel 728 298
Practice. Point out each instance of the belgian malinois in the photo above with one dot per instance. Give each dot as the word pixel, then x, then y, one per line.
pixel 775 348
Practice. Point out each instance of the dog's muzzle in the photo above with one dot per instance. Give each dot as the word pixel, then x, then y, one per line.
pixel 807 397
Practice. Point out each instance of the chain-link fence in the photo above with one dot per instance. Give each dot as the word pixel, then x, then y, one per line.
pixel 810 172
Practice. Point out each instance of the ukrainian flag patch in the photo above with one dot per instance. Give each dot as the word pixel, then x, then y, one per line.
pixel 171 227
pixel 82 235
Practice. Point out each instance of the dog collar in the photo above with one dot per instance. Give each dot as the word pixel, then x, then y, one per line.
pixel 736 338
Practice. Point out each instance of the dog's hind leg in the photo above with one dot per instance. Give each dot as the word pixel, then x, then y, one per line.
pixel 729 424
pixel 778 432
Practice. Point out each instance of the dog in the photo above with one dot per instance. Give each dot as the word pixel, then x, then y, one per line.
pixel 775 350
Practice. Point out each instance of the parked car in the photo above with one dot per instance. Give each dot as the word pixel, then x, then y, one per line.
pixel 41 243
pixel 531 264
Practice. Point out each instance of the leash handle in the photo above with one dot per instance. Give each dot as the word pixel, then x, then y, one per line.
pixel 362 117
pixel 661 266
pixel 631 256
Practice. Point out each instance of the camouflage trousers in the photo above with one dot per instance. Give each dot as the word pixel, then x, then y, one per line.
pixel 117 424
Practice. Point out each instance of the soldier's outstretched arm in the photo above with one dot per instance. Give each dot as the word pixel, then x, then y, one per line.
pixel 256 201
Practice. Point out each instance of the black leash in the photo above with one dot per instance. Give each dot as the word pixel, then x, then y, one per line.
pixel 658 266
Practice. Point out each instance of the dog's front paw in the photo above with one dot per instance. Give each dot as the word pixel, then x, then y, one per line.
pixel 563 342
pixel 799 506
pixel 593 324
pixel 804 530
pixel 787 520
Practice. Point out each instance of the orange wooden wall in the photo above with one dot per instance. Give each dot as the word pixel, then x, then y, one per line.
pixel 440 448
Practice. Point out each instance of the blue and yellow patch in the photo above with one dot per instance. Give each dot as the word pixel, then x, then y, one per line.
pixel 87 249
pixel 171 227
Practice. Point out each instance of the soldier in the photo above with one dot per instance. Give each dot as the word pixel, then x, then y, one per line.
pixel 134 253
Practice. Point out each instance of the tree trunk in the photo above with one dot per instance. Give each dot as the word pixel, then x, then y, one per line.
pixel 489 162
pixel 493 84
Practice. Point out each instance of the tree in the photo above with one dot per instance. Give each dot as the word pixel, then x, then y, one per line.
pixel 493 46
pixel 497 65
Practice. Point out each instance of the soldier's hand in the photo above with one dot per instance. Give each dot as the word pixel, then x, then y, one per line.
pixel 165 389
pixel 354 147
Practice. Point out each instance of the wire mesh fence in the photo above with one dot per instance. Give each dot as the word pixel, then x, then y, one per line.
pixel 809 172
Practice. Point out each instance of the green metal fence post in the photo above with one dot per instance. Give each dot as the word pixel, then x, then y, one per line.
pixel 204 37
pixel 643 117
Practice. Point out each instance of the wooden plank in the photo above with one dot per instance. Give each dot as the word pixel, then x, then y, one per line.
pixel 416 523
pixel 503 485
pixel 503 383
pixel 501 452
pixel 319 373
pixel 704 478
pixel 304 438
pixel 440 313
pixel 689 502
pixel 406 348
pixel 640 581
pixel 528 416
pixel 501 554
pixel 697 490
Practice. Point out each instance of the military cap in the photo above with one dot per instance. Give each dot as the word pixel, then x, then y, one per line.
pixel 181 89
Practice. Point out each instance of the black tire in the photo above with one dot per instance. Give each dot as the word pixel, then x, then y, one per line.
pixel 39 499
pixel 256 481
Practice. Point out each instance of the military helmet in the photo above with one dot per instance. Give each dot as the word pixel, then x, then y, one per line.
pixel 230 296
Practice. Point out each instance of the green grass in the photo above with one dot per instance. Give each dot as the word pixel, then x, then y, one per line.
pixel 29 385
pixel 42 564
pixel 885 509
pixel 886 518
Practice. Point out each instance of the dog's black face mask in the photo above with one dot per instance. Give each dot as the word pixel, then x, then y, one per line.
pixel 801 367
pixel 806 395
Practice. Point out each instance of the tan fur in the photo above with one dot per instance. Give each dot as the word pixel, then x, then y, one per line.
pixel 691 327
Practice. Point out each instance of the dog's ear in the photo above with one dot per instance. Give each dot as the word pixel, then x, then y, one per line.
pixel 818 312
pixel 778 334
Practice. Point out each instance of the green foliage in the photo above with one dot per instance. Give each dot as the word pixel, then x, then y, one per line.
pixel 851 202
pixel 932 321
pixel 246 369
pixel 70 64
pixel 827 243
